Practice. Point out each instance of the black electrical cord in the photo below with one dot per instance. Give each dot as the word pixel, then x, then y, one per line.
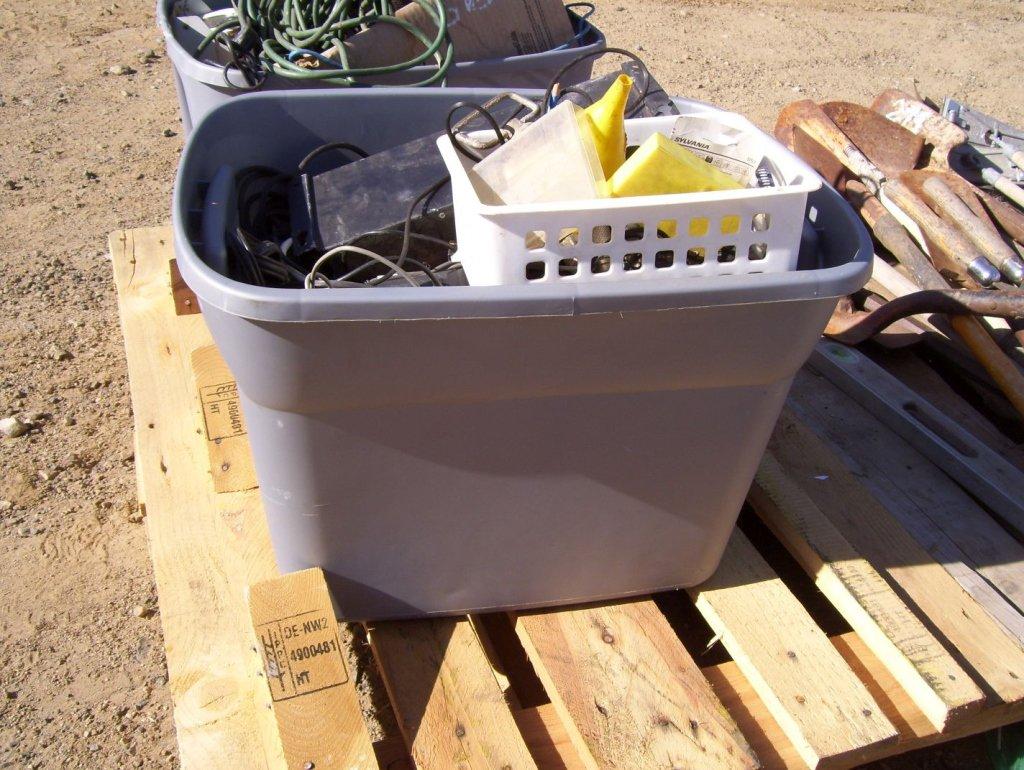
pixel 578 91
pixel 354 149
pixel 630 110
pixel 473 155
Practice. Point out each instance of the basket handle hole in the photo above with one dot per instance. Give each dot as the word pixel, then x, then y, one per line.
pixel 758 251
pixel 635 231
pixel 727 254
pixel 633 261
pixel 601 234
pixel 699 227
pixel 601 264
pixel 696 255
pixel 568 267
pixel 664 259
pixel 536 240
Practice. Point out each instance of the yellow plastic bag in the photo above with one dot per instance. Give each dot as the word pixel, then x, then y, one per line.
pixel 661 167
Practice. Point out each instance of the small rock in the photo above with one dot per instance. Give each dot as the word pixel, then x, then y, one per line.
pixel 69 421
pixel 120 69
pixel 10 184
pixel 5 505
pixel 141 611
pixel 148 56
pixel 169 133
pixel 91 175
pixel 59 354
pixel 11 694
pixel 24 531
pixel 13 427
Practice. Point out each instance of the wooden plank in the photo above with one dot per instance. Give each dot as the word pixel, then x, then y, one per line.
pixel 957 451
pixel 450 708
pixel 227 440
pixel 983 558
pixel 313 698
pixel 508 660
pixel 547 738
pixel 627 691
pixel 205 547
pixel 916 730
pixel 994 659
pixel 938 685
pixel 824 710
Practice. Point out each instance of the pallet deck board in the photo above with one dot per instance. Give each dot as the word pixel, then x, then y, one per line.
pixel 994 658
pixel 918 661
pixel 466 692
pixel 930 505
pixel 822 707
pixel 627 689
pixel 449 705
pixel 194 533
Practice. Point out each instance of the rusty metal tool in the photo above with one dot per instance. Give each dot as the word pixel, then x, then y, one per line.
pixel 894 194
pixel 895 150
pixel 944 136
pixel 889 146
pixel 986 131
pixel 948 203
pixel 853 327
pixel 898 242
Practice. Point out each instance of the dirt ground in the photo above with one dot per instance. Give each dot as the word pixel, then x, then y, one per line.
pixel 90 139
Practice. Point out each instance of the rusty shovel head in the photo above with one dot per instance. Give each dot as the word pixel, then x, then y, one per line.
pixel 789 133
pixel 889 146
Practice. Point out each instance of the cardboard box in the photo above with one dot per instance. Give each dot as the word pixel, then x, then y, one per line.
pixel 479 29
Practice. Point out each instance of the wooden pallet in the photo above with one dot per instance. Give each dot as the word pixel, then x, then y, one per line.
pixel 867 606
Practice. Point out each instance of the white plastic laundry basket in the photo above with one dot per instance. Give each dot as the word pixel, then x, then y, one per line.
pixel 733 232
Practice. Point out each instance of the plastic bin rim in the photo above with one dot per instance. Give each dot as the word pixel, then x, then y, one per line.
pixel 214 76
pixel 303 305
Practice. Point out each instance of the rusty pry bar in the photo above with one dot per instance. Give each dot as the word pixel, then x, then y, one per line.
pixel 855 326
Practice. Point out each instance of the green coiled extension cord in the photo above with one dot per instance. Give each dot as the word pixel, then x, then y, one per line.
pixel 297 35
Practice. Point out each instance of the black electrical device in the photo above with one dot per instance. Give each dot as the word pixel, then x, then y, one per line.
pixel 366 201
pixel 647 98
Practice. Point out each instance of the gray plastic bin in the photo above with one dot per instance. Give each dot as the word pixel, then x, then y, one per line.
pixel 202 87
pixel 443 450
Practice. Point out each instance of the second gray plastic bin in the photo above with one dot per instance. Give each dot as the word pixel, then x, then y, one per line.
pixel 202 86
pixel 444 450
